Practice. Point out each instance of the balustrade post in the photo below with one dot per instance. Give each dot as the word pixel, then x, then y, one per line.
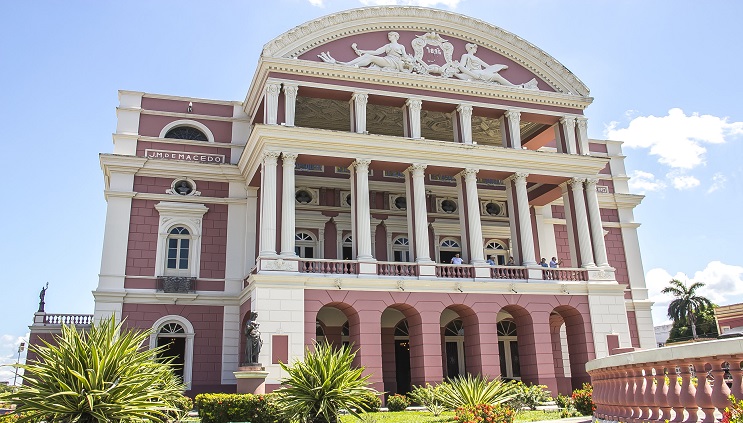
pixel 616 386
pixel 623 412
pixel 688 391
pixel 638 393
pixel 598 393
pixel 648 399
pixel 737 373
pixel 662 396
pixel 703 395
pixel 674 394
pixel 720 389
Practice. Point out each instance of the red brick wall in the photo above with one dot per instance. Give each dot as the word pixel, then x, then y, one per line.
pixel 563 246
pixel 214 242
pixel 634 336
pixel 153 185
pixel 617 259
pixel 609 215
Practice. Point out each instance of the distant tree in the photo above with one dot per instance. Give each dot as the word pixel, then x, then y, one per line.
pixel 705 323
pixel 687 303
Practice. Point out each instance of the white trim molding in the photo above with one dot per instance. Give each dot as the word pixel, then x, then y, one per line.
pixel 173 214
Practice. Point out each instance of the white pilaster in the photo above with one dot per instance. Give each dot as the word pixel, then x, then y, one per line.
pixel 477 253
pixel 288 209
pixel 512 225
pixel 464 120
pixel 358 112
pixel 240 132
pixel 414 107
pixel 545 231
pixel 116 232
pixel 597 231
pixel 230 343
pixel 513 120
pixel 527 238
pixel 581 223
pixel 582 125
pixel 422 254
pixel 234 268
pixel 290 103
pixel 271 103
pixel 127 123
pixel 268 204
pixel 363 212
pixel 567 123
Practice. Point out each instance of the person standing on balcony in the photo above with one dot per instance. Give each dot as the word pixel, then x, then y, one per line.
pixel 490 261
pixel 511 262
pixel 543 262
pixel 456 259
pixel 555 262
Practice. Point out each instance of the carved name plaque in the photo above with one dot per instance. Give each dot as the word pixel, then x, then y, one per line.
pixel 184 156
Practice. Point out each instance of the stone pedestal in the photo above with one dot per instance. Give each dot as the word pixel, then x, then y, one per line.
pixel 251 379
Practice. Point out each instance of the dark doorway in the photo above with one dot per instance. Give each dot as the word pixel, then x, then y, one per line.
pixel 175 348
pixel 446 256
pixel 452 360
pixel 347 253
pixel 402 366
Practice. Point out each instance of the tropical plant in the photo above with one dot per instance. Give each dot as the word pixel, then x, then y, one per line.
pixel 734 413
pixel 372 403
pixel 484 413
pixel 529 396
pixel 469 390
pixel 429 397
pixel 223 408
pixel 317 388
pixel 102 375
pixel 687 303
pixel 583 400
pixel 705 322
pixel 398 402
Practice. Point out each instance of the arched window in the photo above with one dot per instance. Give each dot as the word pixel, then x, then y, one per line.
pixel 175 334
pixel 401 249
pixel 508 348
pixel 448 248
pixel 186 133
pixel 178 252
pixel 497 250
pixel 305 245
pixel 347 248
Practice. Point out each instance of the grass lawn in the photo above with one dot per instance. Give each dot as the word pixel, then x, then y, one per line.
pixel 426 417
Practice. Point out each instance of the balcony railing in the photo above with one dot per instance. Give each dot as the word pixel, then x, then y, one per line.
pixel 465 271
pixel 577 275
pixel 334 267
pixel 397 269
pixel 688 382
pixel 176 284
pixel 68 319
pixel 508 272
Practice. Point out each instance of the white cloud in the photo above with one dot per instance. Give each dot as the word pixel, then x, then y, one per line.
pixel 317 3
pixel 642 182
pixel 723 285
pixel 718 182
pixel 677 139
pixel 451 4
pixel 683 182
pixel 9 355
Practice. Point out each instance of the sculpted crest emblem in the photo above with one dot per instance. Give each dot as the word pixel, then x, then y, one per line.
pixel 425 60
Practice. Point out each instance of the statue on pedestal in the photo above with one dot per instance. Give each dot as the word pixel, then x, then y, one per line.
pixel 42 294
pixel 253 341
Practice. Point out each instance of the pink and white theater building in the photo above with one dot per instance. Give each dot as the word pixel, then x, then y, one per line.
pixel 372 147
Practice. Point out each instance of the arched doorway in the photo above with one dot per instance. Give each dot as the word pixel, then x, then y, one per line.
pixel 508 349
pixel 454 349
pixel 175 335
pixel 570 347
pixel 402 357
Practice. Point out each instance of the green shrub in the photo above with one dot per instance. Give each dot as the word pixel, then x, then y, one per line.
pixel 10 418
pixel 222 408
pixel 317 388
pixel 372 402
pixel 484 413
pixel 583 400
pixel 429 397
pixel 103 374
pixel 464 391
pixel 529 396
pixel 183 405
pixel 566 406
pixel 397 402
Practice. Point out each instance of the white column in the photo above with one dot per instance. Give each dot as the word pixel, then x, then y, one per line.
pixel 581 223
pixel 567 124
pixel 271 103
pixel 597 231
pixel 527 238
pixel 414 107
pixel 358 112
pixel 363 213
pixel 464 119
pixel 288 209
pixel 513 120
pixel 290 103
pixel 582 125
pixel 321 242
pixel 512 226
pixel 422 254
pixel 268 204
pixel 477 253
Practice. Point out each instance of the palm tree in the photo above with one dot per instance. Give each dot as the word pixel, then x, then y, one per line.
pixel 687 303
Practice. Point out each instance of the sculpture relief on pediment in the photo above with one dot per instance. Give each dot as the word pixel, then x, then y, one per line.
pixel 429 54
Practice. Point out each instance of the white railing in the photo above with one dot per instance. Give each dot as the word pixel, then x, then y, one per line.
pixel 689 382
pixel 335 267
pixel 508 272
pixel 463 271
pixel 577 275
pixel 68 319
pixel 386 268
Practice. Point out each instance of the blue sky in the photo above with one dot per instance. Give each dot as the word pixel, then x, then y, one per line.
pixel 662 74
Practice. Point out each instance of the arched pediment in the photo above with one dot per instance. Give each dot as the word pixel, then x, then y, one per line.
pixel 444 37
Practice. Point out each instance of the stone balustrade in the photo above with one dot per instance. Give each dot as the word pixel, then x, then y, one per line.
pixel 465 271
pixel 565 274
pixel 68 319
pixel 397 269
pixel 508 272
pixel 681 383
pixel 335 267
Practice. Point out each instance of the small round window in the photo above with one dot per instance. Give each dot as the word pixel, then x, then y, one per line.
pixel 183 187
pixel 186 133
pixel 303 197
pixel 401 203
pixel 493 209
pixel 448 206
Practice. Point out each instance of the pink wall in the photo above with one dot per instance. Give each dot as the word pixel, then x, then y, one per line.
pixel 152 125
pixel 214 242
pixel 634 335
pixel 153 185
pixel 616 256
pixel 181 106
pixel 563 245
pixel 207 322
pixel 597 148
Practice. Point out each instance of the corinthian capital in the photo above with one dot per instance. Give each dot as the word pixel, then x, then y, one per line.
pixel 465 110
pixel 576 183
pixel 273 88
pixel 582 122
pixel 414 103
pixel 290 90
pixel 591 183
pixel 417 169
pixel 568 121
pixel 360 98
pixel 289 158
pixel 513 115
pixel 361 165
pixel 271 157
pixel 469 173
pixel 518 177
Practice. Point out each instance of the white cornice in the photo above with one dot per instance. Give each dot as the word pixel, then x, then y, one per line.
pixel 350 145
pixel 169 168
pixel 180 98
pixel 343 24
pixel 190 116
pixel 187 199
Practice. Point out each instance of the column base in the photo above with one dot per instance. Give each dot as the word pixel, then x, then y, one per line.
pixel 601 274
pixel 482 270
pixel 251 379
pixel 426 268
pixel 367 266
pixel 535 272
pixel 277 263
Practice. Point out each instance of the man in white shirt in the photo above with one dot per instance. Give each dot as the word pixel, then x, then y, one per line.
pixel 456 259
